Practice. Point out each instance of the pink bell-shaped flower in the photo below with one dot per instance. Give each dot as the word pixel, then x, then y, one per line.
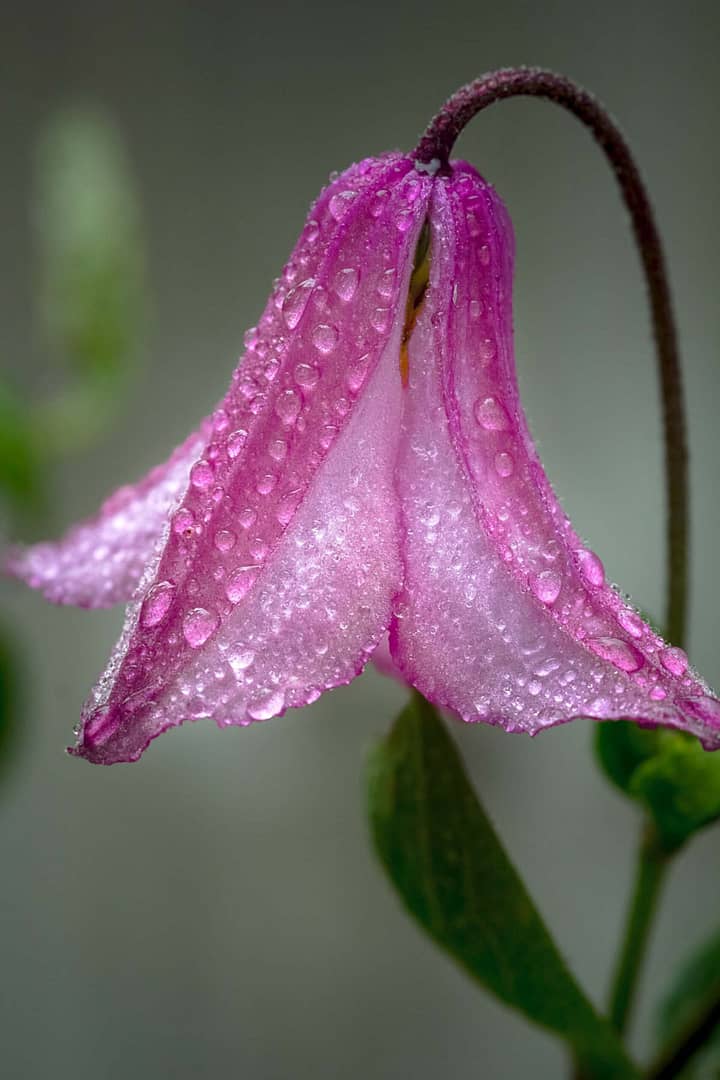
pixel 368 477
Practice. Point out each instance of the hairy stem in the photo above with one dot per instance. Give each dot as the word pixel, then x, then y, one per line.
pixel 435 147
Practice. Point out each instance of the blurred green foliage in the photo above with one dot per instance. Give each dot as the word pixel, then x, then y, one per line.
pixel 692 1005
pixel 91 308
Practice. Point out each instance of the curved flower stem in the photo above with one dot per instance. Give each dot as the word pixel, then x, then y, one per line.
pixel 434 149
pixel 652 864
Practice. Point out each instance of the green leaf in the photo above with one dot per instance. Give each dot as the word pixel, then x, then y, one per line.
pixel 443 856
pixel 621 746
pixel 692 1001
pixel 680 786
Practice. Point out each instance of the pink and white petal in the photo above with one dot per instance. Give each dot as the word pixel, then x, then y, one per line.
pixel 505 616
pixel 99 562
pixel 285 585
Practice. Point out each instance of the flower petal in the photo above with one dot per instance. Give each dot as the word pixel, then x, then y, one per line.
pixel 505 615
pixel 285 585
pixel 99 562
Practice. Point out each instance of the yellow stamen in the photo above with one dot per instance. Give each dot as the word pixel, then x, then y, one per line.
pixel 419 280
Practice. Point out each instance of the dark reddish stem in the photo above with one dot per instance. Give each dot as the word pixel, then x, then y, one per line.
pixel 436 145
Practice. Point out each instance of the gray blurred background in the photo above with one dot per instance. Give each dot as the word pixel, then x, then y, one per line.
pixel 215 909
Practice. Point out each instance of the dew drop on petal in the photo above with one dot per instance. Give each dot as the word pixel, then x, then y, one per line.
pixel 386 285
pixel 325 337
pixel 198 625
pixel 202 475
pixel 340 204
pixel 247 517
pixel 380 319
pixel 504 464
pixel 183 521
pixel 674 660
pixel 486 351
pixel 287 406
pixel 632 623
pixel 240 582
pixel 267 706
pixel 357 373
pixel 156 604
pixel 278 450
pixel 220 421
pixel 590 567
pixel 475 309
pixel 235 442
pixel 266 484
pixel 404 220
pixel 288 505
pixel 702 708
pixel 306 376
pixel 296 301
pixel 225 540
pixel 546 585
pixel 618 652
pixel 491 415
pixel 346 283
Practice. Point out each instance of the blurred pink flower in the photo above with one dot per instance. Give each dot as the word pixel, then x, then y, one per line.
pixel 369 477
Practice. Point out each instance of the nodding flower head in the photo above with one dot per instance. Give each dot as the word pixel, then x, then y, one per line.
pixel 368 481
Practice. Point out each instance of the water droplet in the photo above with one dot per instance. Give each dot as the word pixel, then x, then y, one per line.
pixel 658 693
pixel 380 319
pixel 266 484
pixel 340 203
pixel 278 450
pixel 240 582
pixel 198 625
pixel 632 623
pixel 183 522
pixel 386 285
pixel 534 687
pixel 247 517
pixel 485 255
pixel 267 706
pixel 258 549
pixel 491 415
pixel 296 301
pixel 221 421
pixel 486 351
pixel 202 475
pixel 241 660
pixel 325 338
pixel 674 660
pixel 590 566
pixel 225 540
pixel 312 232
pixel 704 708
pixel 546 585
pixel 156 604
pixel 288 505
pixel 475 309
pixel 327 436
pixel 357 373
pixel 306 376
pixel 346 283
pixel 287 406
pixel 620 653
pixel 404 220
pixel 271 369
pixel 504 464
pixel 379 204
pixel 235 443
